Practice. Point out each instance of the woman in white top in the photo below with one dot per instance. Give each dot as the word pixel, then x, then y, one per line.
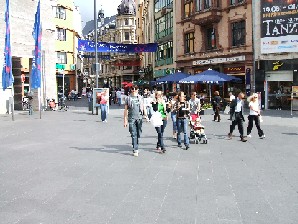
pixel 254 115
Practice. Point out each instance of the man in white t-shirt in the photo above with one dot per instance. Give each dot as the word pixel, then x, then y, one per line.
pixel 118 95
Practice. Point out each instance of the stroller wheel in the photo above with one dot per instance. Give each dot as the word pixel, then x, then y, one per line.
pixel 197 141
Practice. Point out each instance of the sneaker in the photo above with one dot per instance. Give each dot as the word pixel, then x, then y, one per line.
pixel 158 149
pixel 229 136
pixel 163 150
pixel 186 147
pixel 105 121
pixel 243 139
pixel 249 136
pixel 179 145
pixel 263 136
pixel 136 153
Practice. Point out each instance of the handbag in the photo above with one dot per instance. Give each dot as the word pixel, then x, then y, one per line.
pixel 227 110
pixel 156 119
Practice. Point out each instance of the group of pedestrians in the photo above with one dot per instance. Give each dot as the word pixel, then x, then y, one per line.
pixel 138 107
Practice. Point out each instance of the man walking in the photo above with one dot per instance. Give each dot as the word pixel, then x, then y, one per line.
pixel 133 111
pixel 237 116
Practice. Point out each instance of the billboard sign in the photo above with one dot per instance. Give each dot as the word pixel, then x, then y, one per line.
pixel 279 26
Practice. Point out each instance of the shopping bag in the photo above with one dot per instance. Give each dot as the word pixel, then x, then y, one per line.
pixel 227 110
pixel 261 118
pixel 156 119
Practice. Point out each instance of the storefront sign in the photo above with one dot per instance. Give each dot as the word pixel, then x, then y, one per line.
pixel 219 60
pixel 277 65
pixel 279 26
pixel 233 70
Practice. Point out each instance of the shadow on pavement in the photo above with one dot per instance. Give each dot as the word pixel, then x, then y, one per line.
pixel 289 133
pixel 118 149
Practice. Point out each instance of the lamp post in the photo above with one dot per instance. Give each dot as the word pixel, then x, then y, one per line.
pixel 95 33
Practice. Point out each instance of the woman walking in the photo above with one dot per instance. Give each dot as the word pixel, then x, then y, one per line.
pixel 216 106
pixel 159 105
pixel 182 108
pixel 174 114
pixel 254 115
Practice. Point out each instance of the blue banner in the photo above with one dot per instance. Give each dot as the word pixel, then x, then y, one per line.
pixel 7 78
pixel 89 46
pixel 36 62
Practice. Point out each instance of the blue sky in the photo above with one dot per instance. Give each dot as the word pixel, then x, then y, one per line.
pixel 87 9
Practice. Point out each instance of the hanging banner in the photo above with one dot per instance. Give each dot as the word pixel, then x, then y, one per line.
pixel 89 46
pixel 279 32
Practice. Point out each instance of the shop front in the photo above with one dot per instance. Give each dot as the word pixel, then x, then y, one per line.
pixel 278 82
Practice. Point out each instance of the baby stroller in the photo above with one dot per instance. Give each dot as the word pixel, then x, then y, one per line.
pixel 197 132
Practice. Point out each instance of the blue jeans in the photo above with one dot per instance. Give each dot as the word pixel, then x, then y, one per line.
pixel 103 109
pixel 160 130
pixel 182 126
pixel 119 101
pixel 174 119
pixel 149 111
pixel 135 129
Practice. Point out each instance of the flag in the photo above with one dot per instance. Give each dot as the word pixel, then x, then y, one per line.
pixel 7 78
pixel 36 62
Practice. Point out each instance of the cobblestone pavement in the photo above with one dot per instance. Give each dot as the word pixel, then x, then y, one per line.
pixel 68 167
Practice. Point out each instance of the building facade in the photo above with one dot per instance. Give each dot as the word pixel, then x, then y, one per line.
pixel 66 22
pixel 276 51
pixel 22 44
pixel 217 35
pixel 165 15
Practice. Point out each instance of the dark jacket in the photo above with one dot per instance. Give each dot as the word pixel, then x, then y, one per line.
pixel 233 105
pixel 216 102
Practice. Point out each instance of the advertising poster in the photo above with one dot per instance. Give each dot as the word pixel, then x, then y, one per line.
pixel 279 26
pixel 100 95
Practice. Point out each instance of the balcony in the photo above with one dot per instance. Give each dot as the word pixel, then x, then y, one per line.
pixel 207 17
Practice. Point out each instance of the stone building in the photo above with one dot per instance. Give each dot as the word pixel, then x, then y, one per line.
pixel 217 35
pixel 22 44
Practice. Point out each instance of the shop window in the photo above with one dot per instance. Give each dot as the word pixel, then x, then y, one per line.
pixel 238 33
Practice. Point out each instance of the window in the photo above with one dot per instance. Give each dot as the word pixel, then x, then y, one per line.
pixel 211 39
pixel 188 9
pixel 238 33
pixel 234 2
pixel 60 12
pixel 61 34
pixel 126 22
pixel 198 5
pixel 61 58
pixel 207 4
pixel 189 43
pixel 126 36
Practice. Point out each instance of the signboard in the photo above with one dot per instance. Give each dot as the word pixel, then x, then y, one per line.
pixel 219 60
pixel 234 70
pixel 98 93
pixel 279 26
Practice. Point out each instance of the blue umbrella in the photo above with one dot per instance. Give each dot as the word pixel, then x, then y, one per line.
pixel 175 77
pixel 209 76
